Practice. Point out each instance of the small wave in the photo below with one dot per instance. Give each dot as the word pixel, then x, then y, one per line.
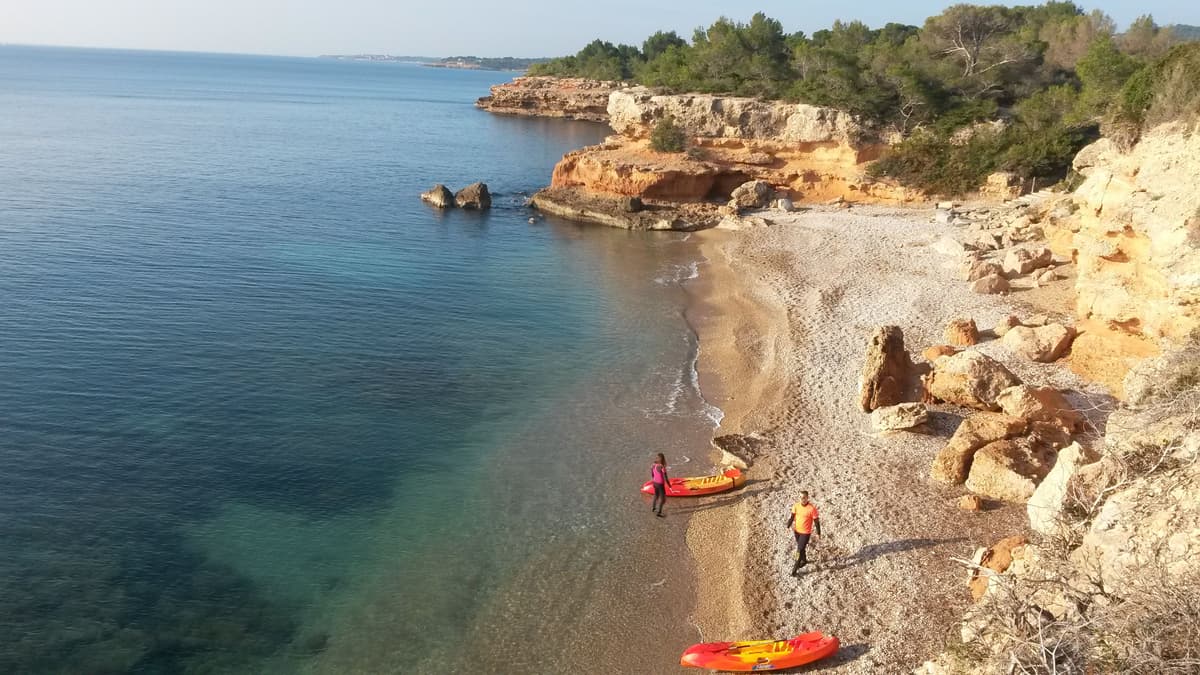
pixel 679 274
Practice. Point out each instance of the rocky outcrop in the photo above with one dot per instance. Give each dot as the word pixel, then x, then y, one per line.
pixel 885 373
pixel 438 196
pixel 625 212
pixel 802 152
pixel 969 379
pixel 474 196
pixel 565 97
pixel 1133 229
pixel 953 464
pixel 995 559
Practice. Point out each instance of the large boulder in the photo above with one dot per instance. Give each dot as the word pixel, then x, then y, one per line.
pixel 1046 505
pixel 962 333
pixel 1043 344
pixel 1039 404
pixel 1006 324
pixel 755 194
pixel 439 196
pixel 885 373
pixel 953 464
pixel 1010 470
pixel 474 196
pixel 969 379
pixel 899 417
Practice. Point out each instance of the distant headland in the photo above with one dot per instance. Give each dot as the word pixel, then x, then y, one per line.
pixel 460 62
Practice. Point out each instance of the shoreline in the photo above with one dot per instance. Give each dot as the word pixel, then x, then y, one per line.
pixel 783 315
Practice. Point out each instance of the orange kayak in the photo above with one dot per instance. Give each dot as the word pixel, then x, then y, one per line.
pixel 704 485
pixel 761 655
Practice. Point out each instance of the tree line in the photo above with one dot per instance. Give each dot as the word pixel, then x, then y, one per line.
pixel 1053 73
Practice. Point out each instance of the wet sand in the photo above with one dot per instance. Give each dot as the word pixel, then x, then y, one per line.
pixel 784 315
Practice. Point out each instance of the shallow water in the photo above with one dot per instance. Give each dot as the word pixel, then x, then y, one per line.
pixel 262 410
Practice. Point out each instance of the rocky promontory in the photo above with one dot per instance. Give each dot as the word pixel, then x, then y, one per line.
pixel 805 153
pixel 563 97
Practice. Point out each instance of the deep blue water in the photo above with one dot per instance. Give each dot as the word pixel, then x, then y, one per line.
pixel 262 410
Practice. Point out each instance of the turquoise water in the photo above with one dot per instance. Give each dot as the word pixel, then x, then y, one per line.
pixel 261 410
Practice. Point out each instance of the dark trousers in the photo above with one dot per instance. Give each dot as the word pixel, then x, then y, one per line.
pixel 660 497
pixel 801 545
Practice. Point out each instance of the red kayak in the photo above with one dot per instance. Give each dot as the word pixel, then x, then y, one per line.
pixel 761 655
pixel 704 485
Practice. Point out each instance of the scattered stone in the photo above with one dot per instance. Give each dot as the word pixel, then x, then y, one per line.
pixel 1043 344
pixel 474 196
pixel 1046 505
pixel 974 270
pixel 899 417
pixel 1010 470
pixel 983 241
pixel 934 353
pixel 1047 277
pixel 946 206
pixel 784 204
pixel 962 333
pixel 1040 404
pixel 943 216
pixel 886 370
pixel 1036 320
pixel 632 204
pixel 1006 324
pixel 992 284
pixel 953 463
pixel 438 196
pixel 970 503
pixel 836 201
pixel 993 561
pixel 755 194
pixel 1023 261
pixel 970 379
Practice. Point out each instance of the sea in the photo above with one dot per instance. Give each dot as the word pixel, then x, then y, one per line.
pixel 264 411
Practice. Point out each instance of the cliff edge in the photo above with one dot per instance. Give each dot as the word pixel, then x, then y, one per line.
pixel 562 97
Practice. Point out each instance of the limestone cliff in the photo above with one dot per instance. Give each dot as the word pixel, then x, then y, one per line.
pixel 1133 228
pixel 806 152
pixel 565 97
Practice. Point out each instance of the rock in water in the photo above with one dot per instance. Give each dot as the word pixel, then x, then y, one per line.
pixel 970 379
pixel 474 196
pixel 899 417
pixel 886 370
pixel 962 333
pixel 439 195
pixel 1042 344
pixel 755 194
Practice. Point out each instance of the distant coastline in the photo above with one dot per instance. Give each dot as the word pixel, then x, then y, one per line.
pixel 503 63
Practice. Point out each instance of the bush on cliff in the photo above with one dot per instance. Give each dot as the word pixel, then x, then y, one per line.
pixel 667 136
pixel 967 64
pixel 1166 90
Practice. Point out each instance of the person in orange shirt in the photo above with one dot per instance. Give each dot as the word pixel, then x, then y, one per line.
pixel 804 523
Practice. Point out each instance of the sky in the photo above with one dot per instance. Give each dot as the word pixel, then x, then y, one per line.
pixel 524 28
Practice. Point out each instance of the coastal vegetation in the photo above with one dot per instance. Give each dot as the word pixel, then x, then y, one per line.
pixel 974 90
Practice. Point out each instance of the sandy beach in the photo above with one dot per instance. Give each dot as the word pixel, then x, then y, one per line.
pixel 784 314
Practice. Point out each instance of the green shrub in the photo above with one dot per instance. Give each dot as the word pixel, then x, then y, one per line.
pixel 933 163
pixel 667 136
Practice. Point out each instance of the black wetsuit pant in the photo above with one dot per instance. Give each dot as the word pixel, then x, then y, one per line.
pixel 801 557
pixel 660 497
